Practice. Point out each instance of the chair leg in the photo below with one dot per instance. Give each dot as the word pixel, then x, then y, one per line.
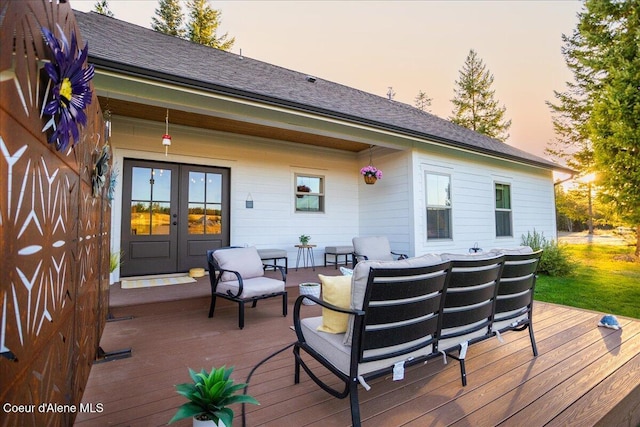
pixel 296 357
pixel 463 372
pixel 533 340
pixel 284 304
pixel 353 400
pixel 255 302
pixel 212 306
pixel 241 315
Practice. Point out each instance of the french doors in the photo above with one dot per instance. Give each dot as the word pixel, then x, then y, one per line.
pixel 171 215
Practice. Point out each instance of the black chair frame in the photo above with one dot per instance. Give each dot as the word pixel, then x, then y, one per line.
pixel 215 273
pixel 466 290
pixel 379 290
pixel 516 290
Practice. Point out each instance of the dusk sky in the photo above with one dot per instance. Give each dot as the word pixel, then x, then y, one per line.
pixel 409 46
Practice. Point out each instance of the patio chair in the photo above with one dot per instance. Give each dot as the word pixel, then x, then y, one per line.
pixel 373 248
pixel 395 319
pixel 469 304
pixel 514 303
pixel 237 274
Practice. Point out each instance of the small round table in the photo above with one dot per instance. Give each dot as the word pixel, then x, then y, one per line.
pixel 307 258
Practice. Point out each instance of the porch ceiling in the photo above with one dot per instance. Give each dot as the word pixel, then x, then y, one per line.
pixel 179 117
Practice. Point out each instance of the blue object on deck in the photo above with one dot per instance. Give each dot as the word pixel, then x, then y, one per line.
pixel 609 321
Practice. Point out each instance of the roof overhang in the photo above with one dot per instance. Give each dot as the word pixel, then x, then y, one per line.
pixel 146 94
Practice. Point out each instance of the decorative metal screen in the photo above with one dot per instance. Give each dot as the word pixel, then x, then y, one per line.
pixel 54 234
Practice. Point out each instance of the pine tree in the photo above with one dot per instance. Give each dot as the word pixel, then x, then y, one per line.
pixel 612 30
pixel 422 101
pixel 102 7
pixel 598 119
pixel 474 104
pixel 169 18
pixel 203 24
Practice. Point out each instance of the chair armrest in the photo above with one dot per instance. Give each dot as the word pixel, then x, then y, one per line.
pixel 240 282
pixel 279 268
pixel 298 304
pixel 400 256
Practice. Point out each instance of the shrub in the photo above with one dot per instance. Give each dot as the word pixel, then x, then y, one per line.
pixel 555 260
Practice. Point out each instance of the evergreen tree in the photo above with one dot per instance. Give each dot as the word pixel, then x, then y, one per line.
pixel 474 104
pixel 611 29
pixel 422 101
pixel 169 18
pixel 102 7
pixel 203 24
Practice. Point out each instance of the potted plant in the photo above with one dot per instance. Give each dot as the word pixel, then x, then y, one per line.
pixel 209 395
pixel 371 174
pixel 304 239
pixel 303 189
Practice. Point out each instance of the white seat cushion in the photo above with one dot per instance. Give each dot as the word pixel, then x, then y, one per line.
pixel 330 346
pixel 519 250
pixel 252 287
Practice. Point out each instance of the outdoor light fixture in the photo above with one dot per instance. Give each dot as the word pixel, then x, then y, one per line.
pixel 166 138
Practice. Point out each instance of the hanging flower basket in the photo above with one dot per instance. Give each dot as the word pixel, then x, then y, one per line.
pixel 371 174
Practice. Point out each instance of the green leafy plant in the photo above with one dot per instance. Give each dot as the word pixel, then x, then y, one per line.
pixel 114 260
pixel 209 395
pixel 555 260
pixel 304 239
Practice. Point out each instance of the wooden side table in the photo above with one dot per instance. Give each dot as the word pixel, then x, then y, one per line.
pixel 307 257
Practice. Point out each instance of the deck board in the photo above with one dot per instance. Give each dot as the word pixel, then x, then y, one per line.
pixel 584 375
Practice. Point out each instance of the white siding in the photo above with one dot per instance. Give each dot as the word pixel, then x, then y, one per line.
pixel 263 169
pixel 386 206
pixel 473 181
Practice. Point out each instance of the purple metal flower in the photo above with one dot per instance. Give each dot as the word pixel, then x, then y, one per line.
pixel 71 91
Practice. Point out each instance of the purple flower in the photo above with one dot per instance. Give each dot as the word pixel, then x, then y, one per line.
pixel 71 91
pixel 371 171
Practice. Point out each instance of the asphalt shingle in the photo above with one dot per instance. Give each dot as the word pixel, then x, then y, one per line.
pixel 130 48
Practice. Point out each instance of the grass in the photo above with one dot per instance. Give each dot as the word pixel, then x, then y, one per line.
pixel 600 282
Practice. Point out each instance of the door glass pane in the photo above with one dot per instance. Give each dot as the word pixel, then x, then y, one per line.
pixel 214 218
pixel 196 187
pixel 214 188
pixel 205 203
pixel 161 188
pixel 141 184
pixel 140 219
pixel 150 201
pixel 197 218
pixel 160 218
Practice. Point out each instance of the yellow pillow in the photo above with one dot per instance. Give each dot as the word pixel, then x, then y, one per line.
pixel 336 290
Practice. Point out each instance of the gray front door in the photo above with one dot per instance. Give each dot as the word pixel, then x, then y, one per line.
pixel 171 214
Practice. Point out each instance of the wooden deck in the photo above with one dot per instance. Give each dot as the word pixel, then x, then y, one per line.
pixel 584 375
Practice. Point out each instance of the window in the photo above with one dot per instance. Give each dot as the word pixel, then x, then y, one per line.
pixel 438 206
pixel 503 210
pixel 309 193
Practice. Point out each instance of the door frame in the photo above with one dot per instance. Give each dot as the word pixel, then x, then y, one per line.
pixel 179 241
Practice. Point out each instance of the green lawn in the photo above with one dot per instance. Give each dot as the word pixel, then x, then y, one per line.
pixel 600 282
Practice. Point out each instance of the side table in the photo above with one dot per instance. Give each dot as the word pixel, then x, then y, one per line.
pixel 306 252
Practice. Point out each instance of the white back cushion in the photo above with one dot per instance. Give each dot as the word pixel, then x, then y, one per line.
pixel 361 275
pixel 374 248
pixel 245 261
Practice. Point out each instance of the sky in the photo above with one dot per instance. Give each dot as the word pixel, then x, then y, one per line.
pixel 410 46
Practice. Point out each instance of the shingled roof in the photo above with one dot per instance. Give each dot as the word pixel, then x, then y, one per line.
pixel 124 47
